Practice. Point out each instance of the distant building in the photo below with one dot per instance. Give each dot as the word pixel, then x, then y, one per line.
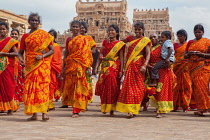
pixel 19 22
pixel 99 15
pixel 155 21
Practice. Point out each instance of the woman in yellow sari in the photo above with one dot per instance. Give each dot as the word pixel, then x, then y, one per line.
pixel 37 45
pixel 197 53
pixel 183 90
pixel 133 88
pixel 78 60
pixel 8 52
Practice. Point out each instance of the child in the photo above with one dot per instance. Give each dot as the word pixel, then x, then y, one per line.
pixel 167 54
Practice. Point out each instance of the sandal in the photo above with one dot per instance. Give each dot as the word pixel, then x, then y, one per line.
pixel 130 115
pixel 45 117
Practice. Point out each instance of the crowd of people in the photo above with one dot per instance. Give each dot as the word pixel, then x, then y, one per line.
pixel 133 72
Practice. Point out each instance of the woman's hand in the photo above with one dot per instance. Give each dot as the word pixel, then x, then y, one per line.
pixel 39 57
pixel 89 71
pixel 143 69
pixel 120 74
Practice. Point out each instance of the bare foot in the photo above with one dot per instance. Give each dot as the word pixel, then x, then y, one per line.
pixel 111 113
pixel 34 117
pixel 45 117
pixel 185 111
pixel 75 115
pixel 9 112
pixel 199 113
pixel 51 109
pixel 130 115
pixel 159 115
pixel 145 109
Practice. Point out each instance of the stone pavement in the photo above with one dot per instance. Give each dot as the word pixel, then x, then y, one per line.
pixel 93 125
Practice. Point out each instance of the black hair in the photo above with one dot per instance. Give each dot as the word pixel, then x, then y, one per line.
pixel 16 31
pixel 5 24
pixel 31 15
pixel 182 32
pixel 116 28
pixel 140 24
pixel 76 22
pixel 199 26
pixel 54 33
pixel 167 34
pixel 85 25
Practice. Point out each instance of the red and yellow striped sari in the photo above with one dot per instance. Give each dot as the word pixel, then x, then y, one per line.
pixel 56 66
pixel 37 73
pixel 108 85
pixel 75 88
pixel 133 89
pixel 183 89
pixel 200 74
pixel 7 77
pixel 163 99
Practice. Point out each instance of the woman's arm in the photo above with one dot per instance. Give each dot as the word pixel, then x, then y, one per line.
pixel 50 52
pixel 121 62
pixel 147 58
pixel 12 53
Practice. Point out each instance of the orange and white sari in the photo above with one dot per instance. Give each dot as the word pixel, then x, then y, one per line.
pixel 37 72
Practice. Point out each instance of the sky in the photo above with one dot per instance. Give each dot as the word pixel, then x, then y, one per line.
pixel 56 14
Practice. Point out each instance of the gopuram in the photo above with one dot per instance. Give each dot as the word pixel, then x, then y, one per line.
pixel 19 22
pixel 155 21
pixel 99 14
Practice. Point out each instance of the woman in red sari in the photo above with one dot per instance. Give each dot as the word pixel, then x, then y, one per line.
pixel 183 89
pixel 161 96
pixel 133 88
pixel 56 67
pixel 8 52
pixel 18 70
pixel 37 45
pixel 198 55
pixel 111 60
pixel 78 60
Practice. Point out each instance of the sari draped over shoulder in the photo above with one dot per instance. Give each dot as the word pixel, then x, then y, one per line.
pixel 37 72
pixel 163 99
pixel 88 76
pixel 133 88
pixel 199 70
pixel 183 89
pixel 75 88
pixel 56 66
pixel 108 84
pixel 7 77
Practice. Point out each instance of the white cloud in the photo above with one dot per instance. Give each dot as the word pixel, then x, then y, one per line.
pixel 187 17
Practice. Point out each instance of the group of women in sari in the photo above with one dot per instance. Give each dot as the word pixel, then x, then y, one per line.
pixel 187 77
pixel 124 71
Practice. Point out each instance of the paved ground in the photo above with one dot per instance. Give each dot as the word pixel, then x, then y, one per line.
pixel 93 125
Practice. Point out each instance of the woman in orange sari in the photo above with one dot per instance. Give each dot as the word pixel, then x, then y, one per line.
pixel 37 45
pixel 8 52
pixel 56 67
pixel 111 60
pixel 183 89
pixel 133 88
pixel 197 53
pixel 18 69
pixel 78 60
pixel 161 96
pixel 83 31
